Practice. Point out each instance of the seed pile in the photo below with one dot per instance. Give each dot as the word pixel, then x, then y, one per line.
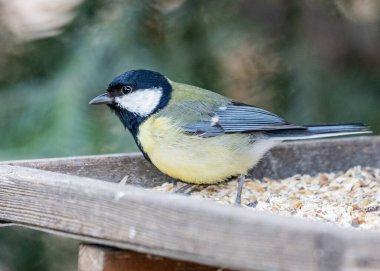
pixel 348 199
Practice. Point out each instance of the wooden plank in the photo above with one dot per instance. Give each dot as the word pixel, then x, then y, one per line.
pixel 91 258
pixel 111 168
pixel 6 224
pixel 99 258
pixel 179 227
pixel 308 157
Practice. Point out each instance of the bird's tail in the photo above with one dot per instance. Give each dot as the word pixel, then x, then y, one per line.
pixel 319 131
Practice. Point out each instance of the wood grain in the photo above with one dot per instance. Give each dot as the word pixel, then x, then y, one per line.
pixel 6 224
pixel 177 226
pixel 97 258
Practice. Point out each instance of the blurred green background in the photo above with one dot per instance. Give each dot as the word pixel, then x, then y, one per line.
pixel 308 61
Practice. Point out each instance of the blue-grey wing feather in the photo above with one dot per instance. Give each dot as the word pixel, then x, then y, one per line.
pixel 239 118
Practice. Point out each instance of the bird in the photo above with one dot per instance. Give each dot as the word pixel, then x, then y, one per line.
pixel 198 136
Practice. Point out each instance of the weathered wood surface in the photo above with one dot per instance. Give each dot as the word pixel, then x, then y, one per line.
pixel 6 224
pixel 307 157
pixel 97 258
pixel 177 226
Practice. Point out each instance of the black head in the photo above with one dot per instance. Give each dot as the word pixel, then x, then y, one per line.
pixel 135 95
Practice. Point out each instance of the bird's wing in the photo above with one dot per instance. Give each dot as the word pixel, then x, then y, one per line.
pixel 237 118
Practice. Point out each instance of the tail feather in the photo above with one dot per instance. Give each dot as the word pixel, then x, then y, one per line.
pixel 320 131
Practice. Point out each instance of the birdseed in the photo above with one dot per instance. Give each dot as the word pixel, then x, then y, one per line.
pixel 347 199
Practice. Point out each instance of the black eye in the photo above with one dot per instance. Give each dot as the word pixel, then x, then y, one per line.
pixel 126 89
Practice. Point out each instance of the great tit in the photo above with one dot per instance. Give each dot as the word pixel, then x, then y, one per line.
pixel 198 136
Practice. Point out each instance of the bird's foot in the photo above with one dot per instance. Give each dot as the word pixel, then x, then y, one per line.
pixel 184 188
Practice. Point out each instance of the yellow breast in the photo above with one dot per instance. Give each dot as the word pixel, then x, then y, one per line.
pixel 195 159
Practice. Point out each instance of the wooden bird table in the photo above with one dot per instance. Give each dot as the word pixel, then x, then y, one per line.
pixel 128 227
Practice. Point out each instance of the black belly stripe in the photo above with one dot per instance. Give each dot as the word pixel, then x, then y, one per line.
pixel 146 156
pixel 132 122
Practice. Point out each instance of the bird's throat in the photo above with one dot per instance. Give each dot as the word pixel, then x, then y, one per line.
pixel 131 122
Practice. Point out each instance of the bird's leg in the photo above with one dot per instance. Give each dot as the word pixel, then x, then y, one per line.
pixel 241 181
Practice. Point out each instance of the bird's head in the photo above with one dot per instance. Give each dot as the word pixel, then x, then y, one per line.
pixel 135 95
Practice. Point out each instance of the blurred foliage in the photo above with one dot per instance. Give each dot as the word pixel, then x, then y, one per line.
pixel 28 250
pixel 309 61
pixel 306 61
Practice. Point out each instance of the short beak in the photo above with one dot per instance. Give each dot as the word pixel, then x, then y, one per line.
pixel 102 99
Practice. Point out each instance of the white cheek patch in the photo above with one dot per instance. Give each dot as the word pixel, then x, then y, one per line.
pixel 141 102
